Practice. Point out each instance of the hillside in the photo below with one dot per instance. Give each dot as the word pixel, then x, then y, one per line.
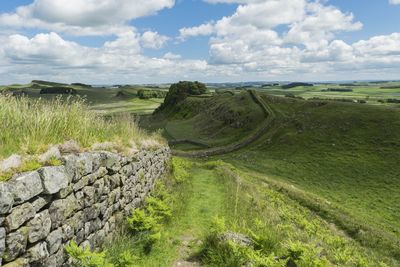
pixel 344 154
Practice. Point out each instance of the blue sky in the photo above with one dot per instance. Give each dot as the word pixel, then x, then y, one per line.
pixel 131 41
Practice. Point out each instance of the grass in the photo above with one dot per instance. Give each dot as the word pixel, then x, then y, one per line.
pixel 216 198
pixel 345 153
pixel 30 126
pixel 216 121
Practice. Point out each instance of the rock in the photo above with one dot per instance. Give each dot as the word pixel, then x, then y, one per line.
pixel 54 179
pixel 54 240
pixel 239 239
pixel 2 241
pixel 6 198
pixel 19 215
pixel 10 163
pixel 76 221
pixel 40 202
pixel 67 232
pixel 39 226
pixel 84 164
pixel 98 188
pixel 81 183
pixel 89 195
pixel 112 160
pixel 25 186
pixel 52 153
pixel 68 147
pixel 38 252
pixel 56 259
pixel 63 193
pixel 62 209
pixel 16 244
pixel 20 262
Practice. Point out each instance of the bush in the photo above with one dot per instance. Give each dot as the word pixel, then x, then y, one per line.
pixel 180 91
pixel 84 257
pixel 180 168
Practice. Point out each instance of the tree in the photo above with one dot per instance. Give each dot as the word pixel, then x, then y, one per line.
pixel 180 91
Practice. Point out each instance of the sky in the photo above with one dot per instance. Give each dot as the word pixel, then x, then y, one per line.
pixel 163 41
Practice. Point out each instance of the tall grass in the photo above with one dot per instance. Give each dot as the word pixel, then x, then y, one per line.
pixel 28 126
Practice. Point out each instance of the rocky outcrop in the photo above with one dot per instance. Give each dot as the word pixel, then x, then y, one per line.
pixel 43 210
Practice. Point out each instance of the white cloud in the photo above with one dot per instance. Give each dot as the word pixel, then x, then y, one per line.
pixel 153 40
pixel 201 30
pixel 82 17
pixel 394 2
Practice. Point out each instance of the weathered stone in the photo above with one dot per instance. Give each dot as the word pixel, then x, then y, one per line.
pixel 54 240
pixel 52 153
pixel 6 198
pixel 41 201
pixel 19 215
pixel 76 221
pixel 38 252
pixel 56 259
pixel 80 236
pixel 112 160
pixel 89 195
pixel 91 213
pixel 39 226
pixel 64 192
pixel 62 209
pixel 70 146
pixel 16 244
pixel 237 238
pixel 84 164
pixel 25 186
pixel 20 262
pixel 2 241
pixel 99 188
pixel 54 179
pixel 101 172
pixel 67 232
pixel 81 183
pixel 12 162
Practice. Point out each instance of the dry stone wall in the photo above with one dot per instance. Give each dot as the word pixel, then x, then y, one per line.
pixel 41 211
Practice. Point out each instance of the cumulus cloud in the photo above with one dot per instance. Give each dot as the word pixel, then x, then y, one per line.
pixel 82 17
pixel 153 40
pixel 394 2
pixel 201 30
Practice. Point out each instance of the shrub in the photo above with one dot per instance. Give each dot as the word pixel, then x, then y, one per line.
pixel 180 168
pixel 84 257
pixel 180 91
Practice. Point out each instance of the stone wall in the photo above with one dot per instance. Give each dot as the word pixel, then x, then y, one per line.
pixel 43 210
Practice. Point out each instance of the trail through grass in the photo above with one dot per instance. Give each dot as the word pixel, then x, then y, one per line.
pixel 201 199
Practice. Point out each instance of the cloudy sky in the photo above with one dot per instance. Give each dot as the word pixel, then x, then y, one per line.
pixel 152 41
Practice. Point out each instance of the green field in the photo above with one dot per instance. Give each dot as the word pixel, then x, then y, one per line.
pixel 105 100
pixel 322 177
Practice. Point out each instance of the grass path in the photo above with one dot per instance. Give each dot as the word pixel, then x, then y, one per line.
pixel 203 198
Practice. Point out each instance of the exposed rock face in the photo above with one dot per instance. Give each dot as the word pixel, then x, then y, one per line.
pixel 43 210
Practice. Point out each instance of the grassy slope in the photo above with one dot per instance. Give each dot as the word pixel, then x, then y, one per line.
pixel 216 121
pixel 248 204
pixel 346 153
